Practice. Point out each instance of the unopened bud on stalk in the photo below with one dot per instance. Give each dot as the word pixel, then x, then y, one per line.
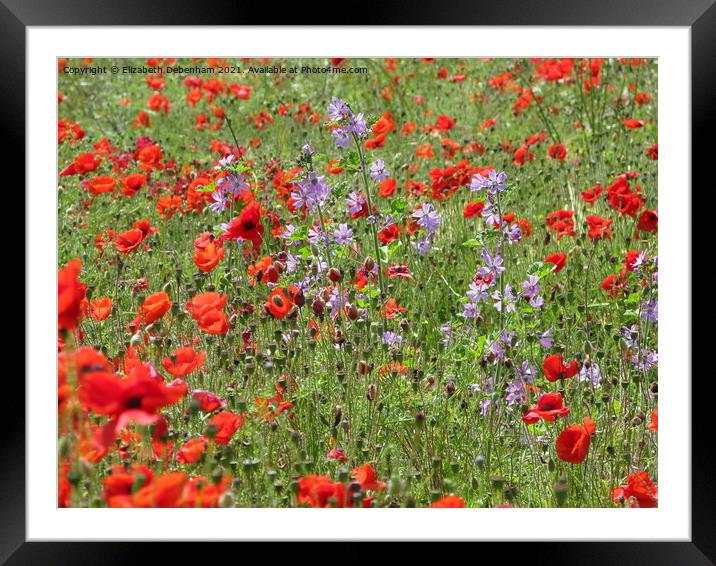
pixel 317 306
pixel 335 275
pixel 372 392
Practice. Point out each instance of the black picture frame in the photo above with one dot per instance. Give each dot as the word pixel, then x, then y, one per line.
pixel 699 15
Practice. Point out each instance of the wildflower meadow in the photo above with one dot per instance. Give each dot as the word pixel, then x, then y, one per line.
pixel 357 283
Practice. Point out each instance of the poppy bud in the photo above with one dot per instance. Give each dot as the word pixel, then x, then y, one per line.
pixel 371 393
pixel 419 419
pixel 363 367
pixel 450 388
pixel 227 499
pixel 317 306
pixel 211 430
pixel 369 264
pixel 351 311
pixel 335 275
pixel 136 339
pixel 561 492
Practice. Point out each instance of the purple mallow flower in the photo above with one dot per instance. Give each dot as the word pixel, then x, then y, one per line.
pixel 650 311
pixel 427 218
pixel 590 372
pixel 494 182
pixel 343 235
pixel 312 192
pixel 392 339
pixel 378 172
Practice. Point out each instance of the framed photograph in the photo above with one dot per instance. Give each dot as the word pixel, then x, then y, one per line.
pixel 323 283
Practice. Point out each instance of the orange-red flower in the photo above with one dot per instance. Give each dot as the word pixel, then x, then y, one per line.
pixel 450 501
pixel 191 450
pixel 473 208
pixel 128 241
pixel 247 226
pixel 184 361
pixel 202 303
pixel 131 184
pixel 279 303
pixel 366 476
pixel 554 368
pixel 100 308
pixel 70 293
pixel 550 406
pixel 226 423
pixel 639 491
pixel 154 307
pixel 208 252
pixel 136 398
pixel 558 260
pixel 573 443
pixel 598 227
pixel 214 322
pixel 321 492
pixel 98 185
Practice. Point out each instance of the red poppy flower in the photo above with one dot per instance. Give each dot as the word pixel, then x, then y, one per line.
pixel 598 227
pixel 226 423
pixel 247 226
pixel 631 123
pixel 367 478
pixel 384 125
pixel 70 293
pixel 375 143
pixel 450 501
pixel 136 398
pixel 202 303
pixel 191 450
pixel 184 361
pixel 550 406
pixel 131 184
pixel 557 151
pixel 336 454
pixel 128 241
pixel 444 123
pixel 389 234
pixel 165 492
pixel 208 253
pixel 654 424
pixel 321 492
pixel 573 443
pixel 554 368
pixel 473 208
pixel 98 185
pixel 614 284
pixel 558 259
pixel 208 401
pixel 100 308
pixel 155 307
pixel 149 157
pixel 214 322
pixel 562 223
pixel 639 491
pixel 387 188
pixel 648 221
pixel 263 271
pixel 590 196
pixel 279 304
